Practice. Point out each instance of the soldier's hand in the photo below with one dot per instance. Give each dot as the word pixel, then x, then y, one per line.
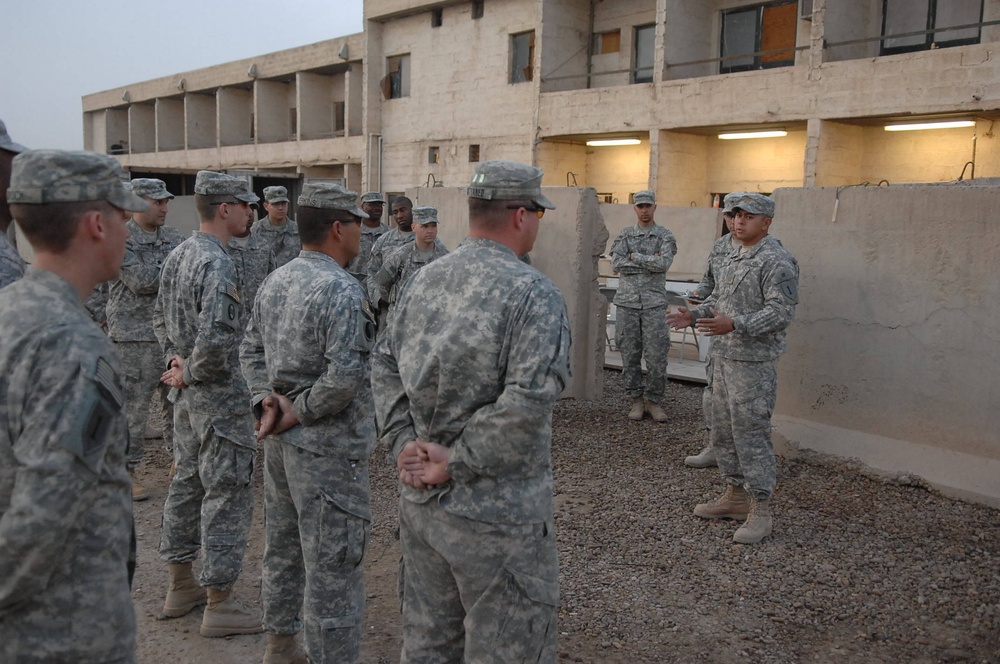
pixel 287 418
pixel 269 415
pixel 174 376
pixel 434 458
pixel 680 319
pixel 410 466
pixel 713 327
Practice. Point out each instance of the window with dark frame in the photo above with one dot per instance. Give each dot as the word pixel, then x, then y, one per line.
pixel 477 8
pixel 522 57
pixel 766 28
pixel 643 53
pixel 933 18
pixel 396 83
pixel 437 18
pixel 474 152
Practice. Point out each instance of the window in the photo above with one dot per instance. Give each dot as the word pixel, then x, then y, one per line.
pixel 473 152
pixel 606 42
pixel 645 42
pixel 437 17
pixel 477 8
pixel 522 57
pixel 433 155
pixel 293 122
pixel 766 28
pixel 396 83
pixel 339 117
pixel 934 16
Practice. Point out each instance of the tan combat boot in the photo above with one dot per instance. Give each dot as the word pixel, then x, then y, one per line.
pixel 758 523
pixel 638 409
pixel 139 492
pixel 704 459
pixel 656 412
pixel 734 503
pixel 184 593
pixel 226 616
pixel 283 649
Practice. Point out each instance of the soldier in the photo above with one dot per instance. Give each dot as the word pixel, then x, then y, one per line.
pixel 720 251
pixel 372 229
pixel 641 255
pixel 277 228
pixel 307 358
pixel 131 299
pixel 402 214
pixel 465 381
pixel 254 260
pixel 210 501
pixel 65 503
pixel 11 264
pixel 404 262
pixel 753 303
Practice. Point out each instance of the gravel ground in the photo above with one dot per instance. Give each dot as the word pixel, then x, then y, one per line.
pixel 859 569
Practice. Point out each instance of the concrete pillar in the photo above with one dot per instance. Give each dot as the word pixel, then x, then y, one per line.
pixel 682 169
pixel 839 154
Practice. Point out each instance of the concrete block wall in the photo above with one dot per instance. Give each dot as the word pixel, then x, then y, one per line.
pixel 170 124
pixel 272 108
pixel 142 127
pixel 566 25
pixel 235 116
pixel 759 164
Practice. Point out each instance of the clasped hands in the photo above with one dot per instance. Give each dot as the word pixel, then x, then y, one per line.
pixel 174 376
pixel 277 415
pixel 423 464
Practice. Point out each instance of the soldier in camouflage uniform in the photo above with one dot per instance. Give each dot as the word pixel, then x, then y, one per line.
pixel 209 504
pixel 402 214
pixel 641 255
pixel 753 303
pixel 372 229
pixel 131 299
pixel 254 260
pixel 720 252
pixel 277 228
pixel 465 380
pixel 65 503
pixel 307 358
pixel 404 262
pixel 12 266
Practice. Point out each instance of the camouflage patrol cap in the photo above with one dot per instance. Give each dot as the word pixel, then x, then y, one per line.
pixel 151 188
pixel 727 202
pixel 6 143
pixel 754 204
pixel 276 194
pixel 502 180
pixel 373 197
pixel 644 197
pixel 425 214
pixel 39 177
pixel 328 196
pixel 210 183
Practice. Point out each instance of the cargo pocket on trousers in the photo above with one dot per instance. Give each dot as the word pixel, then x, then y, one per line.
pixel 346 533
pixel 528 626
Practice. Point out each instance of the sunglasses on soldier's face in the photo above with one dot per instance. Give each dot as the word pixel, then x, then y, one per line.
pixel 540 211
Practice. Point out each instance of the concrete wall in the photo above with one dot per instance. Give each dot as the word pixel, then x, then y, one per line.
pixel 570 239
pixel 169 124
pixel 893 354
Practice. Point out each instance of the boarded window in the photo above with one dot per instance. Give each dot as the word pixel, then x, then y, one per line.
pixel 759 37
pixel 522 57
pixel 931 20
pixel 645 46
pixel 607 42
pixel 396 83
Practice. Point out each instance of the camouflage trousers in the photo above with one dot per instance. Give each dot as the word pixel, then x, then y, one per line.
pixel 210 501
pixel 313 554
pixel 706 396
pixel 743 395
pixel 476 592
pixel 143 365
pixel 638 333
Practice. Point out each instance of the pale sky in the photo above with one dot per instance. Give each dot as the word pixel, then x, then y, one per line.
pixel 53 52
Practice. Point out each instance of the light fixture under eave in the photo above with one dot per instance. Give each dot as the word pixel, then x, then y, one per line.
pixel 917 126
pixel 607 142
pixel 753 134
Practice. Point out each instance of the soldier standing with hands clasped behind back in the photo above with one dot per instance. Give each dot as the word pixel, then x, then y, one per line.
pixel 754 301
pixel 307 358
pixel 65 499
pixel 277 228
pixel 465 380
pixel 641 255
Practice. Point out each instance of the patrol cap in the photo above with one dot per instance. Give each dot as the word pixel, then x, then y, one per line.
pixel 151 188
pixel 502 180
pixel 727 202
pixel 754 204
pixel 210 183
pixel 6 143
pixel 39 177
pixel 644 197
pixel 328 196
pixel 373 197
pixel 425 214
pixel 275 194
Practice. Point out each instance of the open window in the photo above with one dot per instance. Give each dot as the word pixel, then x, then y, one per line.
pixel 396 83
pixel 932 20
pixel 522 57
pixel 767 29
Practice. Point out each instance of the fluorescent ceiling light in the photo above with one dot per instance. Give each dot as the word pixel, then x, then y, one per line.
pixel 916 126
pixel 614 141
pixel 753 134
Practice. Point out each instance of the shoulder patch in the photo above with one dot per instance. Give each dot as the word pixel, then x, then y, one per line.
pixel 229 306
pixel 787 283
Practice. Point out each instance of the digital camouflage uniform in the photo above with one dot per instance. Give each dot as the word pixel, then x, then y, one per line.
pixel 641 326
pixel 313 326
pixel 12 266
pixel 131 299
pixel 284 239
pixel 254 260
pixel 384 245
pixel 358 266
pixel 758 288
pixel 209 504
pixel 475 361
pixel 64 593
pixel 402 264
